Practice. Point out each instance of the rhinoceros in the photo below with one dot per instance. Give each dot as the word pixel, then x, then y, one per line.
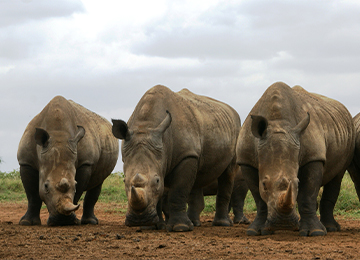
pixel 181 141
pixel 64 151
pixel 354 168
pixel 292 143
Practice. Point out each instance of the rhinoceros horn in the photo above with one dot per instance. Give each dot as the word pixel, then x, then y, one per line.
pixel 286 201
pixel 138 198
pixel 63 185
pixel 68 207
pixel 139 180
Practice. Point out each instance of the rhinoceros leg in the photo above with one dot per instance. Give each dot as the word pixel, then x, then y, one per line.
pixel 83 175
pixel 90 200
pixel 251 176
pixel 328 200
pixel 237 201
pixel 354 170
pixel 196 205
pixel 225 187
pixel 310 179
pixel 160 208
pixel 30 180
pixel 182 180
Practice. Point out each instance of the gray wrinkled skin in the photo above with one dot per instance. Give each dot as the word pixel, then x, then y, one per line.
pixel 292 143
pixel 64 151
pixel 181 142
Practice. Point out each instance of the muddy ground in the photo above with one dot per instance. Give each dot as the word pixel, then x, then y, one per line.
pixel 112 239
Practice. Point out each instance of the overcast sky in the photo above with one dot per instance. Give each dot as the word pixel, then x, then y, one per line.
pixel 106 54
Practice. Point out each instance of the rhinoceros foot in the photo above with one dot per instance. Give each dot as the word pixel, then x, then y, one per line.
pixel 179 222
pixel 312 226
pixel 63 220
pixel 180 227
pixel 242 219
pixel 29 221
pixel 330 224
pixel 225 222
pixel 161 226
pixel 197 223
pixel 89 220
pixel 256 231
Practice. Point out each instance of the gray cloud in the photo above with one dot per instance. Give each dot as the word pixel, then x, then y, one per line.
pixel 317 36
pixel 17 12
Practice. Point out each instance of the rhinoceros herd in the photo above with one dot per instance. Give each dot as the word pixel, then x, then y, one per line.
pixel 179 147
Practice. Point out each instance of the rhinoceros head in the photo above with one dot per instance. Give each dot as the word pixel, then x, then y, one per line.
pixel 144 160
pixel 57 168
pixel 278 155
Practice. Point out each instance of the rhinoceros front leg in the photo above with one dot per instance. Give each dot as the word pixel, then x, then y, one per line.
pixel 328 200
pixel 225 187
pixel 182 181
pixel 30 180
pixel 90 200
pixel 310 179
pixel 354 171
pixel 237 201
pixel 83 175
pixel 195 206
pixel 256 228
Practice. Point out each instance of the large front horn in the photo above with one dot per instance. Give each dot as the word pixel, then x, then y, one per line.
pixel 68 208
pixel 286 200
pixel 138 198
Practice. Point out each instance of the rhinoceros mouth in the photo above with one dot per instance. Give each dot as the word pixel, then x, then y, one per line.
pixel 63 220
pixel 144 219
pixel 282 222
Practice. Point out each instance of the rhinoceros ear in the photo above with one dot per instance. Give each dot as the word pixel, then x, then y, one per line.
pixel 120 129
pixel 42 137
pixel 259 125
pixel 164 124
pixel 79 134
pixel 302 125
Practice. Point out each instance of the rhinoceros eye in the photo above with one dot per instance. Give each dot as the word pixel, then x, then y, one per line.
pixel 46 186
pixel 264 185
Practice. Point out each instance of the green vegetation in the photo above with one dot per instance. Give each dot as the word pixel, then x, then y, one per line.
pixel 113 189
pixel 11 189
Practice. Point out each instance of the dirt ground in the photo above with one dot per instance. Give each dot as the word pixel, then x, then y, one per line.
pixel 112 239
